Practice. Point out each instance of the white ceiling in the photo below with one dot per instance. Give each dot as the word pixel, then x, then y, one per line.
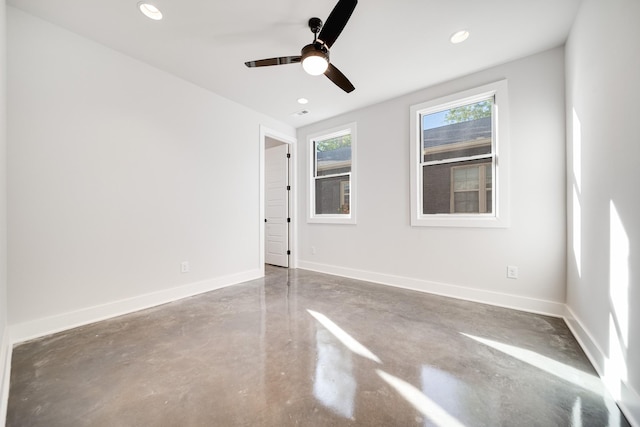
pixel 387 49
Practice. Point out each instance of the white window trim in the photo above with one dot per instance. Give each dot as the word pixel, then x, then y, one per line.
pixel 500 217
pixel 349 218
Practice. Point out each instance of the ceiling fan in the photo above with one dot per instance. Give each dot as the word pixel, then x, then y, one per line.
pixel 315 56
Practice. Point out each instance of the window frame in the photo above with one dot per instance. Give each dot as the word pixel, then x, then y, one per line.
pixel 313 217
pixel 499 217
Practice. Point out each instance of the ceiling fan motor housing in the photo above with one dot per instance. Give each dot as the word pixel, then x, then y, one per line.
pixel 315 49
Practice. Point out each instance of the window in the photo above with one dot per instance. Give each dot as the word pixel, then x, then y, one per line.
pixel 332 166
pixel 456 179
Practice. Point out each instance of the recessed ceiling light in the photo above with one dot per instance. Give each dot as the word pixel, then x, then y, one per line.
pixel 459 36
pixel 303 101
pixel 150 11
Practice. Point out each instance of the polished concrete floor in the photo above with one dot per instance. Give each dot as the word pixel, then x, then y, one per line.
pixel 308 349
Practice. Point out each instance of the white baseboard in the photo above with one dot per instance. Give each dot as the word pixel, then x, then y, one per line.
pixel 630 404
pixel 532 305
pixel 41 327
pixel 589 345
pixel 629 399
pixel 5 365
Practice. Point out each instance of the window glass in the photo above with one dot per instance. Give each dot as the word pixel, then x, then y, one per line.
pixel 454 141
pixel 471 189
pixel 333 155
pixel 331 197
pixel 457 132
pixel 332 166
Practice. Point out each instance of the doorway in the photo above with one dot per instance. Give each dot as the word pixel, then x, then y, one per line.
pixel 277 235
pixel 276 203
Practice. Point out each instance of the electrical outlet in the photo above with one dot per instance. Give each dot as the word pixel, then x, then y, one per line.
pixel 512 272
pixel 313 250
pixel 184 267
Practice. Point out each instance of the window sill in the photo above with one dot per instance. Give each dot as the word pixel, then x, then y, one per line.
pixel 331 219
pixel 462 221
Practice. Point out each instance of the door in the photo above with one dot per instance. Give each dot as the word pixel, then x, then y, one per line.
pixel 276 205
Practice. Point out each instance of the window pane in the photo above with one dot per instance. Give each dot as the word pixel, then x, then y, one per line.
pixel 436 190
pixel 333 195
pixel 333 155
pixel 468 183
pixel 457 132
pixel 467 202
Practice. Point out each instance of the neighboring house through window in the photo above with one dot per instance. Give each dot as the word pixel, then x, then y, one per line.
pixel 332 166
pixel 456 178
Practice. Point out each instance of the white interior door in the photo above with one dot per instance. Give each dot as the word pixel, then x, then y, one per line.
pixel 276 206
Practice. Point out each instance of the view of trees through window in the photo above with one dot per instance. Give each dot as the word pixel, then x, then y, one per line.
pixel 468 112
pixel 334 143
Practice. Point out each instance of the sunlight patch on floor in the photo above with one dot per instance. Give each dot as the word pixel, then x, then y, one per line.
pixel 568 373
pixel 420 402
pixel 346 339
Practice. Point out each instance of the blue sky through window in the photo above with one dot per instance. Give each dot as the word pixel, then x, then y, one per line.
pixel 434 120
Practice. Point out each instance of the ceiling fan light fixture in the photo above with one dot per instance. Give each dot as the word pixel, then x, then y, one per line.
pixel 315 65
pixel 150 11
pixel 315 60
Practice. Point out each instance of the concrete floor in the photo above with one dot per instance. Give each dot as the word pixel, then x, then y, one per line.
pixel 302 348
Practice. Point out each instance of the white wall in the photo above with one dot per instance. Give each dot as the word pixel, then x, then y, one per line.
pixel 4 335
pixel 468 263
pixel 603 89
pixel 117 173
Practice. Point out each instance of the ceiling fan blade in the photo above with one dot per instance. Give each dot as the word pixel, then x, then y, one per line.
pixel 273 61
pixel 336 21
pixel 339 79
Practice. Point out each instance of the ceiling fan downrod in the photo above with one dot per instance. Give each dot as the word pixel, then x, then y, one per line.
pixel 315 24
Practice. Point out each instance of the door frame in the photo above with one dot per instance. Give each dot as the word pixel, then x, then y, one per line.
pixel 293 205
